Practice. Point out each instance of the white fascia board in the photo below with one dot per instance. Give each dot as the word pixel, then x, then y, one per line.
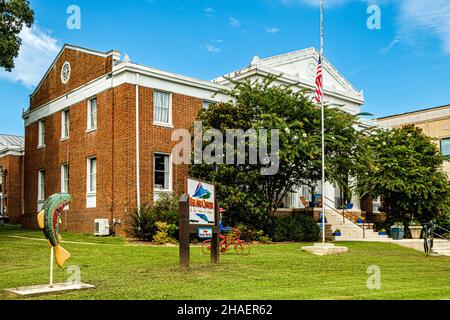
pixel 126 73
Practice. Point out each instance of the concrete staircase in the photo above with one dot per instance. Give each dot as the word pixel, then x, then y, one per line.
pixel 441 247
pixel 351 230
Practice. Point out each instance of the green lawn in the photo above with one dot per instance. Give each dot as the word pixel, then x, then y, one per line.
pixel 122 270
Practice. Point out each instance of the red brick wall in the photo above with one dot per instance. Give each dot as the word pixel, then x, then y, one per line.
pixel 114 145
pixel 13 165
pixel 84 68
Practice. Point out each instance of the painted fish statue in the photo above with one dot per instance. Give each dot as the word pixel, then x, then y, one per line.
pixel 49 220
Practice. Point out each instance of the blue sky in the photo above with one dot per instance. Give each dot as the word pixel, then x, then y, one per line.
pixel 404 66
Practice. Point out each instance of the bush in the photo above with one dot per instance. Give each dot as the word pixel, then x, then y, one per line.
pixel 294 228
pixel 162 235
pixel 248 234
pixel 143 220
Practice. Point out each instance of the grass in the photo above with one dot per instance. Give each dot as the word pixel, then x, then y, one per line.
pixel 122 270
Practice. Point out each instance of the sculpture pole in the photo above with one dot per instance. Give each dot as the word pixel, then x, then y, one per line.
pixel 51 267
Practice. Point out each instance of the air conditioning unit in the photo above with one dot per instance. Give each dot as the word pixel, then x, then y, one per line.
pixel 101 227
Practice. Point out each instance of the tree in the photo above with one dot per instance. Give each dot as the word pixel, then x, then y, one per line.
pixel 248 196
pixel 14 15
pixel 343 150
pixel 403 167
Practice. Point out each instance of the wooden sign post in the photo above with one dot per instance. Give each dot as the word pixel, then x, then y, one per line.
pixel 198 210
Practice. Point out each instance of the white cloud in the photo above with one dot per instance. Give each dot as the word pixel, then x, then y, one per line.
pixel 210 48
pixel 234 22
pixel 272 30
pixel 36 54
pixel 419 18
pixel 208 11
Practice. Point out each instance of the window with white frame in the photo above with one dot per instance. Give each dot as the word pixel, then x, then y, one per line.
pixel 41 134
pixel 65 178
pixel 162 172
pixel 41 186
pixel 92 114
pixel 65 124
pixel 92 175
pixel 162 113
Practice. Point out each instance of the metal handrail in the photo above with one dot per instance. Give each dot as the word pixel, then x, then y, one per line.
pixel 363 227
pixel 345 211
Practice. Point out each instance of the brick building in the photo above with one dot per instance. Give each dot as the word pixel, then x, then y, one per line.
pixel 100 128
pixel 11 176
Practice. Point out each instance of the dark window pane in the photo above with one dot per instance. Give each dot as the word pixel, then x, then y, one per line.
pixel 159 163
pixel 159 180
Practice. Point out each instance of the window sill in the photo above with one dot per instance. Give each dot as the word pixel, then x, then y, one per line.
pixel 91 194
pixel 64 139
pixel 91 130
pixel 41 147
pixel 164 125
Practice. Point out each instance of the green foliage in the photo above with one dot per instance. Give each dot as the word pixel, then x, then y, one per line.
pixel 14 15
pixel 143 221
pixel 249 197
pixel 162 234
pixel 403 166
pixel 249 233
pixel 294 228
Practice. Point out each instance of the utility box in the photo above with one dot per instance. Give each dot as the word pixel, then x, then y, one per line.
pixel 101 227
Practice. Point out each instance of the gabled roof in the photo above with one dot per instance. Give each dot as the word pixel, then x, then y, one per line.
pixel 300 67
pixel 9 143
pixel 76 48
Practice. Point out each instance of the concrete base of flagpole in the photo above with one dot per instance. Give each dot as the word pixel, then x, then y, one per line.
pixel 46 289
pixel 325 249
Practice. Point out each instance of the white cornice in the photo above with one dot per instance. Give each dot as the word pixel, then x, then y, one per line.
pixel 285 78
pixel 125 73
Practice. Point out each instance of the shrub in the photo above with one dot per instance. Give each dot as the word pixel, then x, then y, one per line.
pixel 294 228
pixel 143 220
pixel 142 224
pixel 248 233
pixel 162 234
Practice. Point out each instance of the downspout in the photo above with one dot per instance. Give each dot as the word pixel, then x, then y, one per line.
pixel 138 173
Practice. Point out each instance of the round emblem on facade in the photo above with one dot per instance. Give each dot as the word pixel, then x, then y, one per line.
pixel 65 73
pixel 311 71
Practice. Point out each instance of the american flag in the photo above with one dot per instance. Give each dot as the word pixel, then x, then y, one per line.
pixel 319 82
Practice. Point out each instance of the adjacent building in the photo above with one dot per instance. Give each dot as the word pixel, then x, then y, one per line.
pixel 434 122
pixel 11 176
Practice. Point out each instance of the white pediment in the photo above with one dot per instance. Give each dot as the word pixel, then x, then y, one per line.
pixel 303 65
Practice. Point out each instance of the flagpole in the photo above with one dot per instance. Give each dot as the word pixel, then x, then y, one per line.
pixel 322 117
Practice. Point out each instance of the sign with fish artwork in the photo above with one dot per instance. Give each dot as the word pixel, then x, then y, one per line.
pixel 201 202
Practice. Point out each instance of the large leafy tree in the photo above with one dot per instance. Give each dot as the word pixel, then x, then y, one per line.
pixel 343 150
pixel 403 167
pixel 248 196
pixel 14 15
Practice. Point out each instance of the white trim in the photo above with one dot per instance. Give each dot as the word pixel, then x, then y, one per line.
pixel 63 123
pixel 89 126
pixel 61 71
pixel 127 75
pixel 170 189
pixel 91 196
pixel 168 124
pixel 138 163
pixel 41 134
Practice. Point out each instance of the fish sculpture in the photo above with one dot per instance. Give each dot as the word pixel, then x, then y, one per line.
pixel 49 220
